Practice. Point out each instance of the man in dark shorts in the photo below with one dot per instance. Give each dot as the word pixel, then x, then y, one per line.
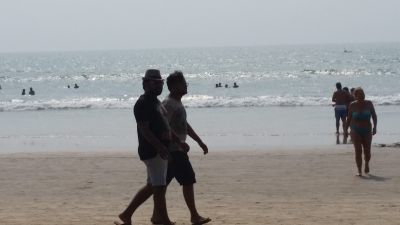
pixel 341 98
pixel 179 166
pixel 154 135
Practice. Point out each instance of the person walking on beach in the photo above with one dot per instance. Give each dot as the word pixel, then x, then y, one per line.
pixel 341 98
pixel 179 166
pixel 154 136
pixel 359 120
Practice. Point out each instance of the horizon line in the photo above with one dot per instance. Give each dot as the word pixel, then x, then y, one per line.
pixel 195 47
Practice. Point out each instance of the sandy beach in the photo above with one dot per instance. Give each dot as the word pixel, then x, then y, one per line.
pixel 316 186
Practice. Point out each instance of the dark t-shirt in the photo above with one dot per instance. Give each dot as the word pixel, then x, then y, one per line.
pixel 149 109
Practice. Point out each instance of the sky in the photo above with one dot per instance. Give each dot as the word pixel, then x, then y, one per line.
pixel 70 25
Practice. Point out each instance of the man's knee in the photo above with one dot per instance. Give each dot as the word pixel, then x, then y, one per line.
pixel 159 189
pixel 358 151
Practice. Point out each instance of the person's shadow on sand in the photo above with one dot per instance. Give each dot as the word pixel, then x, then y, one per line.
pixel 375 178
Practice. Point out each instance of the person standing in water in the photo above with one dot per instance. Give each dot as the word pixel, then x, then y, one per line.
pixel 341 98
pixel 31 91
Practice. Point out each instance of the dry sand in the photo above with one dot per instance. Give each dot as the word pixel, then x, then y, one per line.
pixel 281 187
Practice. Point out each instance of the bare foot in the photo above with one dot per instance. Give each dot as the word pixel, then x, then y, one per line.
pixel 124 219
pixel 158 222
pixel 199 220
pixel 366 170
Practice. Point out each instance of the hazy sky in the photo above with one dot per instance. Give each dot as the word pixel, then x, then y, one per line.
pixel 48 25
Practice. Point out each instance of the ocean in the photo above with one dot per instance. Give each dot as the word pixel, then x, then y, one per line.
pixel 283 98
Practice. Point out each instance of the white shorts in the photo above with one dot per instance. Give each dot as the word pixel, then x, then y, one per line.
pixel 156 171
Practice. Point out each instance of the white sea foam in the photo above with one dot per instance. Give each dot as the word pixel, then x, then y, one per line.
pixel 191 101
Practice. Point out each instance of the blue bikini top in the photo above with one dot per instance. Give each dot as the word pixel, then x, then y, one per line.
pixel 364 115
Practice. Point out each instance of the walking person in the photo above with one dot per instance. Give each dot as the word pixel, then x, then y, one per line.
pixel 154 136
pixel 361 112
pixel 179 166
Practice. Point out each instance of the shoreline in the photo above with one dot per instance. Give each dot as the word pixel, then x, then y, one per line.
pixel 196 150
pixel 239 187
pixel 221 129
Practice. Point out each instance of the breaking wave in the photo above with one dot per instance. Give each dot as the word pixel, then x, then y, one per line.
pixel 191 101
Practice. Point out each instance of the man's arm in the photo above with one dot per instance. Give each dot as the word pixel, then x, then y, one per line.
pixel 185 147
pixel 144 129
pixel 196 137
pixel 334 97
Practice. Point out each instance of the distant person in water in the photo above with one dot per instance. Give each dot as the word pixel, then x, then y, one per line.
pixel 361 112
pixel 23 92
pixel 76 86
pixel 341 99
pixel 68 86
pixel 179 166
pixel 235 85
pixel 219 85
pixel 31 91
pixel 226 86
pixel 216 85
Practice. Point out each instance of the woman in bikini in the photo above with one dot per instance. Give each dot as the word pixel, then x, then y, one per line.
pixel 359 120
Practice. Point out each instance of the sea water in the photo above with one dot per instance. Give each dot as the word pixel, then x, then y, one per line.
pixel 283 99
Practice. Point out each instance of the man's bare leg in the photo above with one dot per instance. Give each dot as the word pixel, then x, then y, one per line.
pixel 344 124
pixel 337 125
pixel 188 194
pixel 160 205
pixel 141 196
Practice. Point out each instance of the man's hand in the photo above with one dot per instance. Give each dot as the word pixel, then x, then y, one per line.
pixel 185 147
pixel 204 147
pixel 163 152
pixel 374 131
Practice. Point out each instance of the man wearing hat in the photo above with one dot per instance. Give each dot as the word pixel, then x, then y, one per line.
pixel 154 136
